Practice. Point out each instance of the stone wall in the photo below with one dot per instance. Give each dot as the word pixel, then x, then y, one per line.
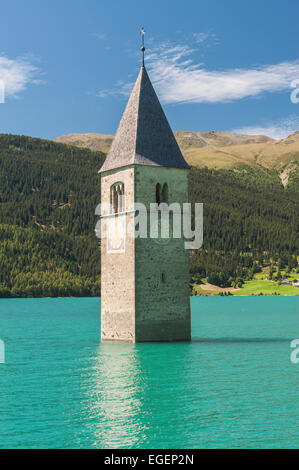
pixel 118 268
pixel 162 267
pixel 145 290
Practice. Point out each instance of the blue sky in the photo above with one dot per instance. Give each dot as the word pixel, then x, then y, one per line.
pixel 69 65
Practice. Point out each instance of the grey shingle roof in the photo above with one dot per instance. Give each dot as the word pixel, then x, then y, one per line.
pixel 144 136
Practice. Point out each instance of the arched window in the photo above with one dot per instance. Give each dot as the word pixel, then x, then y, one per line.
pixel 165 193
pixel 158 193
pixel 117 197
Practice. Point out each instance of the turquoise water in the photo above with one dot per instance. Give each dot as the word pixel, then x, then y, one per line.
pixel 232 386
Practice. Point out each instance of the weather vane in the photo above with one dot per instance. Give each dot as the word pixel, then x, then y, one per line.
pixel 142 32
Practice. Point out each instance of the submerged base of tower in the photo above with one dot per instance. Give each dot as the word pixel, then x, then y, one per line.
pixel 150 332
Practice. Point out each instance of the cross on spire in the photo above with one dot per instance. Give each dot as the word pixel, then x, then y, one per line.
pixel 142 32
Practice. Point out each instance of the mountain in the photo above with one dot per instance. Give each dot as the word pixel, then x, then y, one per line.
pixel 48 195
pixel 186 140
pixel 236 151
pixel 220 150
pixel 217 139
pixel 96 142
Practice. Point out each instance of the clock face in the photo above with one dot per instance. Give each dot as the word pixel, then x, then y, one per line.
pixel 159 240
pixel 116 234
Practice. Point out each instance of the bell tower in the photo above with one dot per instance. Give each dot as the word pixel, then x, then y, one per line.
pixel 144 281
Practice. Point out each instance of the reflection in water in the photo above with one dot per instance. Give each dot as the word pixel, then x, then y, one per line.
pixel 135 394
pixel 115 404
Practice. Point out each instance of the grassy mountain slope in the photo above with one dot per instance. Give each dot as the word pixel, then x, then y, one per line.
pixel 186 140
pixel 220 150
pixel 48 195
pixel 96 142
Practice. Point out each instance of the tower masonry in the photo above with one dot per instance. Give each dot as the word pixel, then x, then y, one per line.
pixel 144 281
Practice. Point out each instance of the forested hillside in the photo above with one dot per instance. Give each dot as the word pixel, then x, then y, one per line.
pixel 250 221
pixel 48 195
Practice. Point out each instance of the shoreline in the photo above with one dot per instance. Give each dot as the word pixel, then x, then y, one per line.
pixel 214 294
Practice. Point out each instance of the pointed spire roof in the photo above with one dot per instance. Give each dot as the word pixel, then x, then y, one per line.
pixel 144 136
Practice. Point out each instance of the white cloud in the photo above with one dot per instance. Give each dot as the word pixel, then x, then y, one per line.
pixel 121 88
pixel 101 36
pixel 200 37
pixel 277 130
pixel 16 75
pixel 179 80
pixel 208 38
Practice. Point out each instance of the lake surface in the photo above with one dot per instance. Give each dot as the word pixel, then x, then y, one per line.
pixel 232 386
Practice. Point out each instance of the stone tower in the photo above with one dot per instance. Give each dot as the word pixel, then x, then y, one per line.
pixel 144 281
